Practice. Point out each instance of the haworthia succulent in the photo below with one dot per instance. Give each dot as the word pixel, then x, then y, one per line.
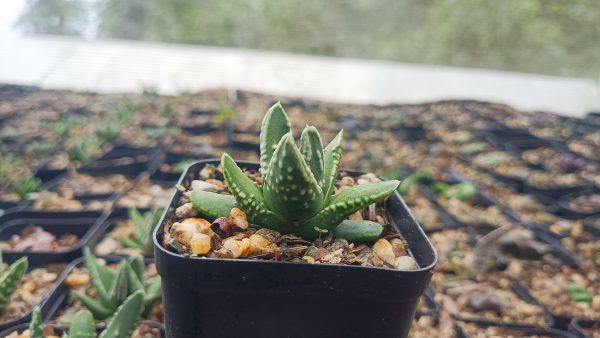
pixel 35 326
pixel 122 323
pixel 10 279
pixel 298 184
pixel 117 285
pixel 82 326
pixel 275 124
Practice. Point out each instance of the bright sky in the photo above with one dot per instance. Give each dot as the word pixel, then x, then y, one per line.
pixel 9 13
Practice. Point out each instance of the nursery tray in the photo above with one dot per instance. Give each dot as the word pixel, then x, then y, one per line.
pixel 83 224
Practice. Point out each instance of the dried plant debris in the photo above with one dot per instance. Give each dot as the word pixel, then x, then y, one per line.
pixel 34 238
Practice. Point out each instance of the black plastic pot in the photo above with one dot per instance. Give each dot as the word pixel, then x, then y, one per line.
pixel 524 331
pixel 83 224
pixel 579 326
pixel 45 303
pixel 205 297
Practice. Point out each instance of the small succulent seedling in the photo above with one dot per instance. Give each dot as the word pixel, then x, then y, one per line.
pixel 462 191
pixel 10 279
pixel 144 224
pixel 297 193
pixel 113 287
pixel 82 148
pixel 26 186
pixel 120 325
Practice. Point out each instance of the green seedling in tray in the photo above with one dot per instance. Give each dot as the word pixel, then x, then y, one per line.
pixel 113 287
pixel 144 224
pixel 10 279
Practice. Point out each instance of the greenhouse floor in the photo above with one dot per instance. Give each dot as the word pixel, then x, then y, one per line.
pixel 509 199
pixel 125 66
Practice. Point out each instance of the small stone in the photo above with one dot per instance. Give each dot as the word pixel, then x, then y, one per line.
pixel 222 227
pixel 28 286
pixel 347 181
pixel 198 185
pixel 49 277
pixel 237 248
pixel 399 247
pixel 77 280
pixel 207 172
pixel 385 251
pixel 308 259
pixel 238 218
pixel 357 216
pixel 371 177
pixel 362 181
pixel 107 246
pixel 405 263
pixel 259 245
pixel 200 244
pixel 185 211
pixel 271 235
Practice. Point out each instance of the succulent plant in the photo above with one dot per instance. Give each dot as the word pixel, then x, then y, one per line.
pixel 10 279
pixel 27 185
pixel 120 325
pixel 113 287
pixel 83 148
pixel 297 193
pixel 144 224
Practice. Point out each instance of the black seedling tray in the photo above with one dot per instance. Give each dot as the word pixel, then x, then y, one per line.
pixel 123 159
pixel 83 224
pixel 63 292
pixel 591 224
pixel 565 209
pixel 432 308
pixel 579 325
pixel 551 195
pixel 171 159
pixel 526 297
pixel 45 302
pixel 109 224
pixel 526 331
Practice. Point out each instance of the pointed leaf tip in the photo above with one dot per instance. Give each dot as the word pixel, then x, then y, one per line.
pixel 275 124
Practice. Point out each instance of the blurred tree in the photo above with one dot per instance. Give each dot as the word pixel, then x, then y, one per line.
pixel 64 17
pixel 540 36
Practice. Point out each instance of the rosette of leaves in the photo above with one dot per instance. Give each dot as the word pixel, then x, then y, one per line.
pixel 121 324
pixel 297 195
pixel 141 238
pixel 114 287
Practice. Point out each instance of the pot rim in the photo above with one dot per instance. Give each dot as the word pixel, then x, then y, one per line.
pixel 396 194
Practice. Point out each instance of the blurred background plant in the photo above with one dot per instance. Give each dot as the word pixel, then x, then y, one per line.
pixel 539 36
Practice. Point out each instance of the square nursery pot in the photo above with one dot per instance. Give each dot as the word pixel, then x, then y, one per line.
pixel 205 297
